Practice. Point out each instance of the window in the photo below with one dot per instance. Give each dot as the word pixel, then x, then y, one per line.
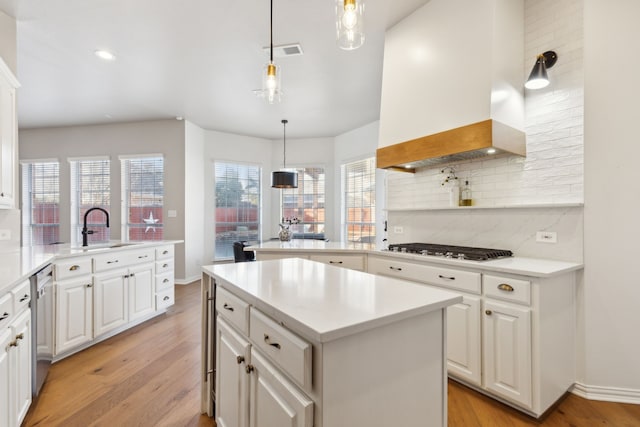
pixel 359 200
pixel 90 187
pixel 237 193
pixel 40 203
pixel 142 197
pixel 306 203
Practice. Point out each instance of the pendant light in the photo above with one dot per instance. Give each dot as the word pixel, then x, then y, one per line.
pixel 538 77
pixel 283 178
pixel 349 24
pixel 271 74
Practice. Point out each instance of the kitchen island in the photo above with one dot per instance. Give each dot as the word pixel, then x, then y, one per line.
pixel 303 343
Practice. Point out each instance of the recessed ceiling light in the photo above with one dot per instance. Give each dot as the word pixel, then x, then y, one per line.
pixel 105 54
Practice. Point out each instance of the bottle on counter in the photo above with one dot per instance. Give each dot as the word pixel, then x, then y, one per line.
pixel 465 195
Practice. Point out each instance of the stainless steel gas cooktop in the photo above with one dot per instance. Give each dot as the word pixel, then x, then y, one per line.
pixel 447 251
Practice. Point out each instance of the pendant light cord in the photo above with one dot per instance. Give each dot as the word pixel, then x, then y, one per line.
pixel 271 36
pixel 284 143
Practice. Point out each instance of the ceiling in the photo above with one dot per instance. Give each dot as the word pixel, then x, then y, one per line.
pixel 199 60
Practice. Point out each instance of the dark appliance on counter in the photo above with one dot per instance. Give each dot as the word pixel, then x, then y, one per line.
pixel 41 326
pixel 448 251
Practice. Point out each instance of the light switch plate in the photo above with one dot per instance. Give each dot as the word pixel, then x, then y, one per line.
pixel 398 230
pixel 547 237
pixel 172 213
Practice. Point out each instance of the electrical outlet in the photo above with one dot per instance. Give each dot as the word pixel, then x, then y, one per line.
pixel 5 234
pixel 547 237
pixel 398 230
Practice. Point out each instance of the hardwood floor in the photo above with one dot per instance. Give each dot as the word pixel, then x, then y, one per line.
pixel 150 376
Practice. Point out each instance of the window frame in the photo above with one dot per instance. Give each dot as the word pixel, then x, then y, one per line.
pixel 29 227
pixel 314 201
pixel 371 172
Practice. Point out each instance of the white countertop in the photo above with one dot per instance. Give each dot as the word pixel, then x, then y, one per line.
pixel 533 267
pixel 18 264
pixel 324 302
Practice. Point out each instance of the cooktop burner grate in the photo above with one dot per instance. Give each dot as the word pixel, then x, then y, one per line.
pixel 448 251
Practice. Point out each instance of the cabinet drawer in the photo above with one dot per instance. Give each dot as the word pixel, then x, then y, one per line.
pixel 6 309
pixel 72 267
pixel 120 259
pixel 163 252
pixel 233 309
pixel 508 289
pixel 354 262
pixel 21 296
pixel 290 352
pixel 465 281
pixel 165 298
pixel 164 281
pixel 164 266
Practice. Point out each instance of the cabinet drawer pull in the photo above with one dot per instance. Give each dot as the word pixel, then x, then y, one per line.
pixel 4 316
pixel 395 268
pixel 167 298
pixel 112 262
pixel 335 262
pixel 272 344
pixel 24 298
pixel 165 281
pixel 505 287
pixel 13 343
pixel 89 285
pixel 165 252
pixel 19 337
pixel 488 312
pixel 143 256
pixel 249 369
pixel 240 359
pixel 165 265
pixel 74 268
pixel 446 277
pixel 227 307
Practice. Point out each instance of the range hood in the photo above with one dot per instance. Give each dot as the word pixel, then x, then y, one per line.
pixel 485 138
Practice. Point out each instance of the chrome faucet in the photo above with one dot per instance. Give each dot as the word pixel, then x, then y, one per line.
pixel 86 232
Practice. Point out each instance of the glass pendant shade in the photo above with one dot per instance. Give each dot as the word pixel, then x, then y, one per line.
pixel 349 24
pixel 271 88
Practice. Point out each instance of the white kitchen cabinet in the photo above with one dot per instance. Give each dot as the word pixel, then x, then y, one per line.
pixel 8 136
pixel 5 391
pixel 164 277
pixel 141 291
pixel 74 313
pixel 464 339
pixel 351 261
pixel 20 368
pixel 273 400
pixel 110 299
pixel 232 406
pixel 507 351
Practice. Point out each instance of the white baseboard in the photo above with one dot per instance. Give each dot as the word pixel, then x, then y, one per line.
pixel 187 280
pixel 607 394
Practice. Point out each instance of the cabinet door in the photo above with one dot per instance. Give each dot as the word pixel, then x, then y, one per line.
pixel 20 365
pixel 273 400
pixel 232 381
pixel 463 339
pixel 109 301
pixel 74 313
pixel 141 291
pixel 507 351
pixel 5 394
pixel 7 142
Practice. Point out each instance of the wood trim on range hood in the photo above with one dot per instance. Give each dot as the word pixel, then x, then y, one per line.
pixel 459 144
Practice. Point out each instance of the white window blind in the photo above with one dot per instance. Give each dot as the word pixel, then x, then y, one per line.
pixel 238 201
pixel 40 202
pixel 359 200
pixel 142 197
pixel 306 203
pixel 90 187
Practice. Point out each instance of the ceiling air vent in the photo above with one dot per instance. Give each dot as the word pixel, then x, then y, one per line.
pixel 285 50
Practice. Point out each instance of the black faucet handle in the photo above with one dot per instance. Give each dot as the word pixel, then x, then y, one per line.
pixel 89 232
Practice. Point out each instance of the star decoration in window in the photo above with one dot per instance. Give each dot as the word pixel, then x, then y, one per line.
pixel 150 221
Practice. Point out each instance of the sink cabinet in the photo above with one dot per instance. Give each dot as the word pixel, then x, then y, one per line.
pixel 100 295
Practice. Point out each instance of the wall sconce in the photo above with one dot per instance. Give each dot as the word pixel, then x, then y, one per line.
pixel 538 77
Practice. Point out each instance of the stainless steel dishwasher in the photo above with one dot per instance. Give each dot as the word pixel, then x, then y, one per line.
pixel 41 326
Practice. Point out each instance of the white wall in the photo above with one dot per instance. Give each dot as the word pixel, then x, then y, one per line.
pixel 162 136
pixel 612 201
pixel 194 202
